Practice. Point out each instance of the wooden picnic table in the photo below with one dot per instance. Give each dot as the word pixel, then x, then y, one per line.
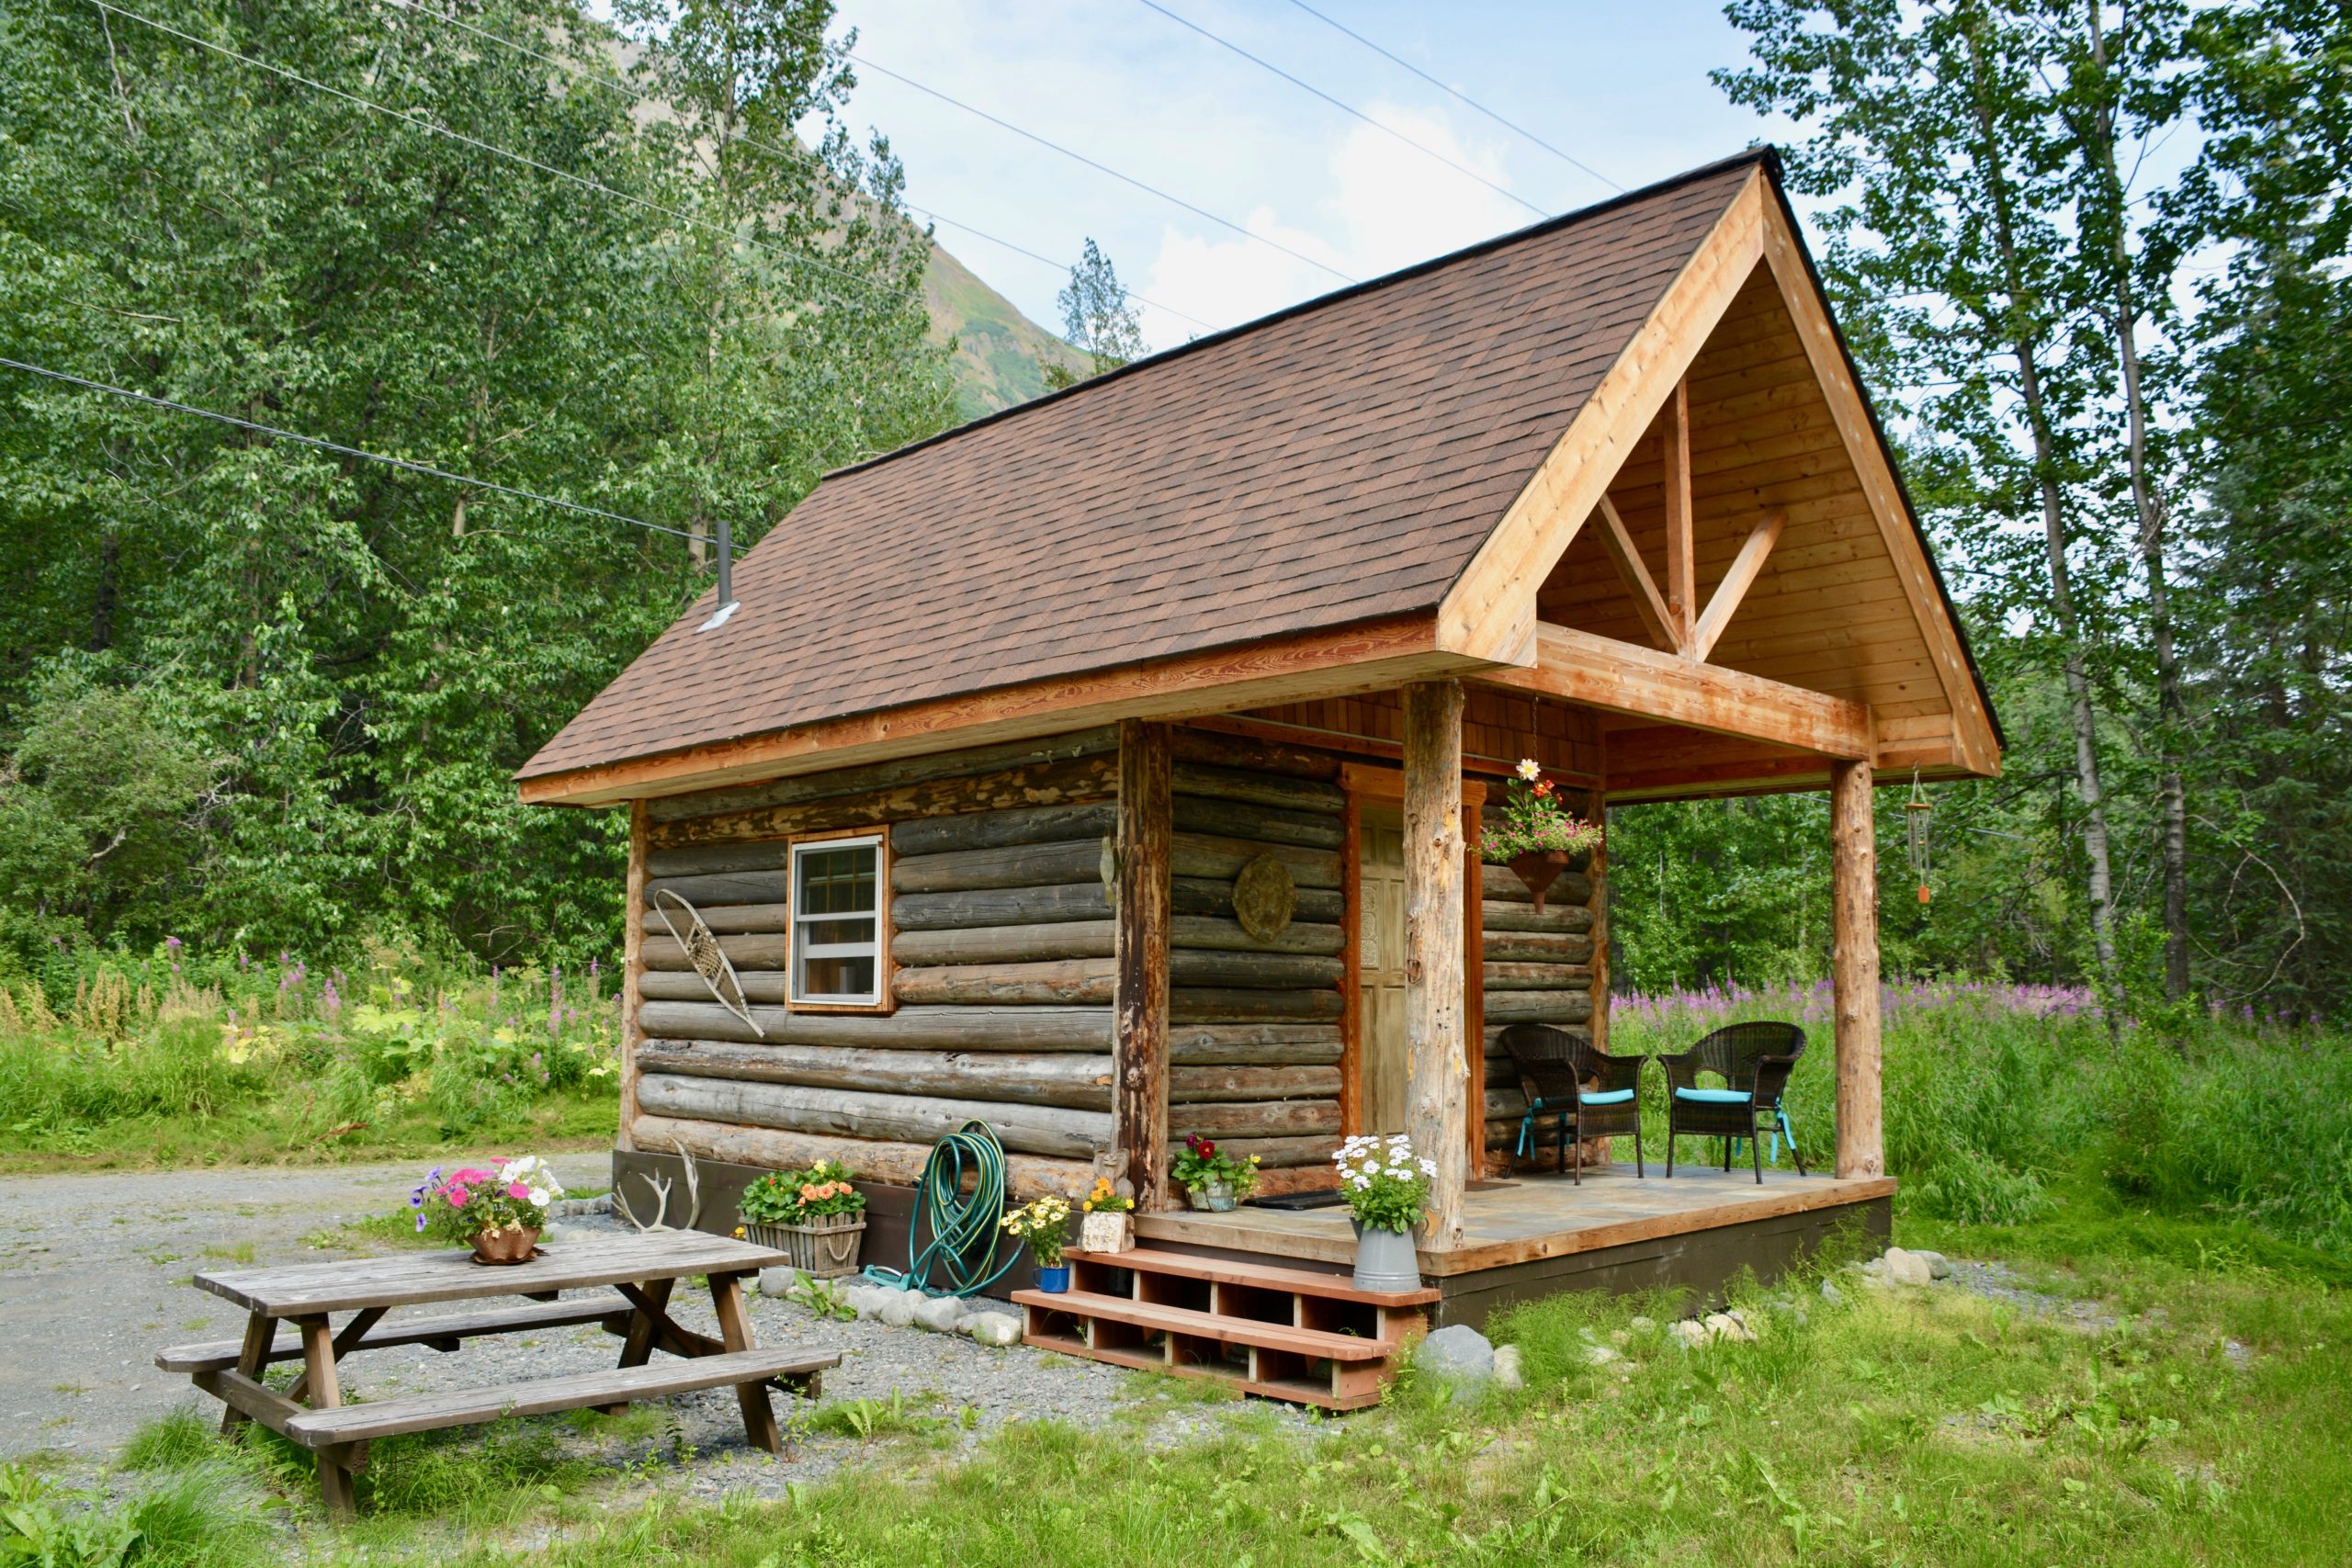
pixel 631 1278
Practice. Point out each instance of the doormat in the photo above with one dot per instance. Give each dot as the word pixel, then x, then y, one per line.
pixel 1324 1200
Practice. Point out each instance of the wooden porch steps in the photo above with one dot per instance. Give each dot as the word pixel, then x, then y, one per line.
pixel 1288 1334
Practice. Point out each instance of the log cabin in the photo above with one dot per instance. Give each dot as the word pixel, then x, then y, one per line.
pixel 966 776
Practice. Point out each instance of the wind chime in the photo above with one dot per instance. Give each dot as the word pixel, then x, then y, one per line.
pixel 1917 810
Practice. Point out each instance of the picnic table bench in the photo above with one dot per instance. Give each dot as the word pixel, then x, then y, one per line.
pixel 631 1278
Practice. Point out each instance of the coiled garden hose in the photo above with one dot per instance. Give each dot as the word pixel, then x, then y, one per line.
pixel 964 1227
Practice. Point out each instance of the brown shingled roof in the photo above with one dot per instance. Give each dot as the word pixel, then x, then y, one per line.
pixel 1340 462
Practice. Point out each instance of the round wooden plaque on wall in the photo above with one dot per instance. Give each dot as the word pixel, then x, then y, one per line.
pixel 1264 897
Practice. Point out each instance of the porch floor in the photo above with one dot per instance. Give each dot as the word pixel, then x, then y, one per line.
pixel 1536 1216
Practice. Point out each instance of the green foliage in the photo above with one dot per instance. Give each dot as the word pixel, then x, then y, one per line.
pixel 1099 319
pixel 796 1197
pixel 197 1518
pixel 325 672
pixel 187 1054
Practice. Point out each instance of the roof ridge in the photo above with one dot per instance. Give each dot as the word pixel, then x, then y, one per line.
pixel 1763 154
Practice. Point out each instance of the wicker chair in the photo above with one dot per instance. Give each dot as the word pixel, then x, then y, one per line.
pixel 1554 1068
pixel 1754 1060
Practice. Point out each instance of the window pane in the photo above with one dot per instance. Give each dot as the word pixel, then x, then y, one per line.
pixel 835 882
pixel 836 936
pixel 837 976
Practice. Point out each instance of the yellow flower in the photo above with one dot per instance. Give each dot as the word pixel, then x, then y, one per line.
pixel 739 1233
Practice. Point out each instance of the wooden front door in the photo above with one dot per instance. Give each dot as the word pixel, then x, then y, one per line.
pixel 1380 969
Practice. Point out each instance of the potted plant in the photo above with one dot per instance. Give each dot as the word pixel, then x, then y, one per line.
pixel 498 1210
pixel 1109 1225
pixel 815 1216
pixel 1538 834
pixel 1388 1191
pixel 1044 1222
pixel 1213 1181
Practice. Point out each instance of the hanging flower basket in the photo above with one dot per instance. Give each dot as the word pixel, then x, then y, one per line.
pixel 1538 836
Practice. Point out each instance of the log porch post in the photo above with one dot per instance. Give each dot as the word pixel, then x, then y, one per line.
pixel 1139 1047
pixel 1438 1066
pixel 1853 903
pixel 632 974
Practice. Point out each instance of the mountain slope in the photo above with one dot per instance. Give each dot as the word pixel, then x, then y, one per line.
pixel 997 347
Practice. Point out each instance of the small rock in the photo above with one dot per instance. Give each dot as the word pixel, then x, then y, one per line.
pixel 1938 1267
pixel 1875 1267
pixel 2239 1354
pixel 995 1328
pixel 898 1312
pixel 1908 1268
pixel 1620 1338
pixel 1509 1372
pixel 1458 1354
pixel 778 1281
pixel 1600 1355
pixel 1688 1332
pixel 1727 1326
pixel 1643 1325
pixel 941 1314
pixel 1831 1293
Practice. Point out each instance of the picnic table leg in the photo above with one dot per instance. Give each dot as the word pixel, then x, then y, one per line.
pixel 326 1393
pixel 261 1333
pixel 735 1333
pixel 636 1345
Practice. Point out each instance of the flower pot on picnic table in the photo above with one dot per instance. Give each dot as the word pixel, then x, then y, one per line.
pixel 1385 1259
pixel 1539 869
pixel 825 1247
pixel 515 1244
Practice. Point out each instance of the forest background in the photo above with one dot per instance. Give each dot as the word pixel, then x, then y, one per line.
pixel 259 698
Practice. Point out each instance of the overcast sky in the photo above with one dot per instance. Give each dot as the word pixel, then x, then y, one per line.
pixel 1623 88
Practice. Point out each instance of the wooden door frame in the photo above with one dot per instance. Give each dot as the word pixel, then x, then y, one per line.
pixel 1374 781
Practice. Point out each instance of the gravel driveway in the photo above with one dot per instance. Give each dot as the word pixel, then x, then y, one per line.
pixel 96 1271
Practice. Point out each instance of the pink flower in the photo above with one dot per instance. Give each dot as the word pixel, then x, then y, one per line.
pixel 471 1177
pixel 458 1196
pixel 516 1189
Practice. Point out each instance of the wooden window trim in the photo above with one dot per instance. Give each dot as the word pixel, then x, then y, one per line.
pixel 885 971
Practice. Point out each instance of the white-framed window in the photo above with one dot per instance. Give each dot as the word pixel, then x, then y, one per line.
pixel 837 921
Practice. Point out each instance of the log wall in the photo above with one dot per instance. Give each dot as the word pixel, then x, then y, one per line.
pixel 1254 1027
pixel 1548 968
pixel 999 947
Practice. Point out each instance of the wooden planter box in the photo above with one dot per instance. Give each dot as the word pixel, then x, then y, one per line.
pixel 823 1249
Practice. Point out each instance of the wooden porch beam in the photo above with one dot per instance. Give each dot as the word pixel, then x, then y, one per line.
pixel 1437 1063
pixel 1139 1039
pixel 1853 915
pixel 1682 545
pixel 1621 677
pixel 1737 581
pixel 1658 616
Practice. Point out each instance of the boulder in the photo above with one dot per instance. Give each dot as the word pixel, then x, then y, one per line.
pixel 995 1328
pixel 941 1314
pixel 1727 1326
pixel 1688 1333
pixel 1831 1293
pixel 1938 1265
pixel 899 1310
pixel 1641 1324
pixel 1908 1268
pixel 1458 1355
pixel 1601 1355
pixel 1510 1370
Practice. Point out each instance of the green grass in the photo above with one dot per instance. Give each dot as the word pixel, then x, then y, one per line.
pixel 173 1061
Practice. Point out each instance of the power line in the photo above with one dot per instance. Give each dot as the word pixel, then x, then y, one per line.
pixel 1103 168
pixel 337 446
pixel 645 94
pixel 1345 108
pixel 1455 91
pixel 477 143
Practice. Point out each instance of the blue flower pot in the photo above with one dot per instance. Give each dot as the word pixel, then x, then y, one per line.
pixel 1056 1279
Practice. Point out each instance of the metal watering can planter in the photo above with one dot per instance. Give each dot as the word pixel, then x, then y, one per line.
pixel 1215 1196
pixel 1386 1260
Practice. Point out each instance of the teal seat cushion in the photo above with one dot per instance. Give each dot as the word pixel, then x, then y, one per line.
pixel 1714 1096
pixel 1607 1097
